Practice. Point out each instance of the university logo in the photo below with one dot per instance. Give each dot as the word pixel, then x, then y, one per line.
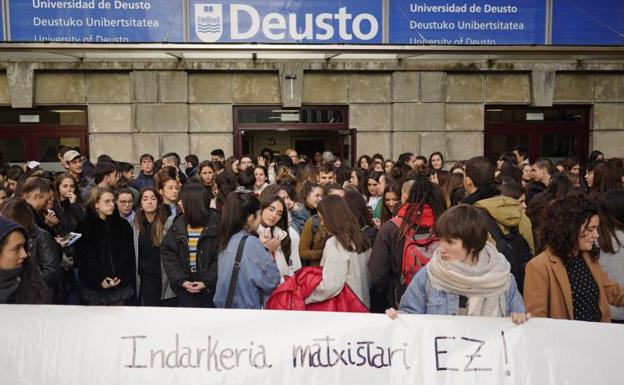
pixel 209 22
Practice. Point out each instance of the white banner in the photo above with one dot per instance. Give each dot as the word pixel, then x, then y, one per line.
pixel 56 345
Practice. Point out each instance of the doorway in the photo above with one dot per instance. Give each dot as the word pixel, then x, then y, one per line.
pixel 37 134
pixel 308 130
pixel 553 133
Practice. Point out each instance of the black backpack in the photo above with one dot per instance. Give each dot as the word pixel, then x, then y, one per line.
pixel 513 246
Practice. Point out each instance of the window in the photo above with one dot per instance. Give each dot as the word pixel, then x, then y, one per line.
pixel 37 134
pixel 553 133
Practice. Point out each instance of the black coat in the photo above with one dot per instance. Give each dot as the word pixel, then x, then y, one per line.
pixel 106 249
pixel 70 215
pixel 44 249
pixel 174 253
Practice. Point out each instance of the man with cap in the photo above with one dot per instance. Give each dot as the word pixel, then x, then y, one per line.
pixel 73 163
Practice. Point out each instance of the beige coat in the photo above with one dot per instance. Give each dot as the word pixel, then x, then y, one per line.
pixel 547 291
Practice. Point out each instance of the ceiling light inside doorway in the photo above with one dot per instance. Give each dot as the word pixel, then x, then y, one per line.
pixel 289 117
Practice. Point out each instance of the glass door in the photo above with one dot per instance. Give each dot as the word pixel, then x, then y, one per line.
pixel 347 142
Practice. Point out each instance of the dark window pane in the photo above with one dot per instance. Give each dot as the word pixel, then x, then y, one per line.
pixel 558 146
pixel 12 150
pixel 504 142
pixel 47 148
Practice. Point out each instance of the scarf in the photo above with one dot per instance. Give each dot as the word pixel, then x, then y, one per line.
pixel 9 283
pixel 485 284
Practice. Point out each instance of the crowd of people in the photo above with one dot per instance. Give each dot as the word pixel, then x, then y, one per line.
pixel 498 238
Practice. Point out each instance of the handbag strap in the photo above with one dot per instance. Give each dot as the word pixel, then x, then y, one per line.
pixel 235 270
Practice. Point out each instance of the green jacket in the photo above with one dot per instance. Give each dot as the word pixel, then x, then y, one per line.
pixel 508 213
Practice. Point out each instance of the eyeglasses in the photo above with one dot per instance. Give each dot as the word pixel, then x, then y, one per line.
pixel 125 203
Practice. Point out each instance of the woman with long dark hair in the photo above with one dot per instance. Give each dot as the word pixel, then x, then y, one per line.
pixel 365 163
pixel 311 194
pixel 345 254
pixel 371 192
pixel 611 241
pixel 20 280
pixel 261 179
pixel 168 184
pixel 274 225
pixel 313 232
pixel 384 180
pixel 68 205
pixel 560 186
pixel 226 183
pixel 189 249
pixel 607 176
pixel 362 214
pixel 105 252
pixel 566 281
pixel 206 175
pixel 150 225
pixel 453 189
pixel 422 204
pixel 358 180
pixel 391 198
pixel 256 274
pixel 231 165
pixel 436 164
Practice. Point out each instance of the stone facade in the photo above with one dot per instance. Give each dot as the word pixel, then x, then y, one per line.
pixel 420 111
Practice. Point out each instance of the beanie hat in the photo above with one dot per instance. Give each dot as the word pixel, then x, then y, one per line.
pixel 7 226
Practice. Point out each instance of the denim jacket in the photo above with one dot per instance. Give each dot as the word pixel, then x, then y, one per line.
pixel 422 298
pixel 257 278
pixel 299 216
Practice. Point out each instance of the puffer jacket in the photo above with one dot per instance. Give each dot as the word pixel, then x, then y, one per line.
pixel 175 254
pixel 291 294
pixel 508 214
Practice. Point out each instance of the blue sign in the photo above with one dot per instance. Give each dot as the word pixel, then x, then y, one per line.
pixel 476 22
pixel 588 22
pixel 2 37
pixel 286 21
pixel 97 21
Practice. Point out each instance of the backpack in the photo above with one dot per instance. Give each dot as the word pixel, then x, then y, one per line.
pixel 513 246
pixel 416 252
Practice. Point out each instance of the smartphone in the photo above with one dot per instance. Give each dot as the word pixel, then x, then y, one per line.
pixel 71 238
pixel 282 235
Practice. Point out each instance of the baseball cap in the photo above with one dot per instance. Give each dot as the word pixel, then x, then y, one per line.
pixel 70 155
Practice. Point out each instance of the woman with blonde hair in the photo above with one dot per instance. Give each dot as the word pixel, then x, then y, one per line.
pixel 105 252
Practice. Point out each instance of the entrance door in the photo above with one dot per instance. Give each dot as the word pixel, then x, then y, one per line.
pixel 37 134
pixel 307 130
pixel 553 133
pixel 347 140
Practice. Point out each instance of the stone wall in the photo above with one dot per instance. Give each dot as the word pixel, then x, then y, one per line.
pixel 133 112
pixel 606 93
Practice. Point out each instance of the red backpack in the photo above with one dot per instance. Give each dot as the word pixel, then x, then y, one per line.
pixel 417 251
